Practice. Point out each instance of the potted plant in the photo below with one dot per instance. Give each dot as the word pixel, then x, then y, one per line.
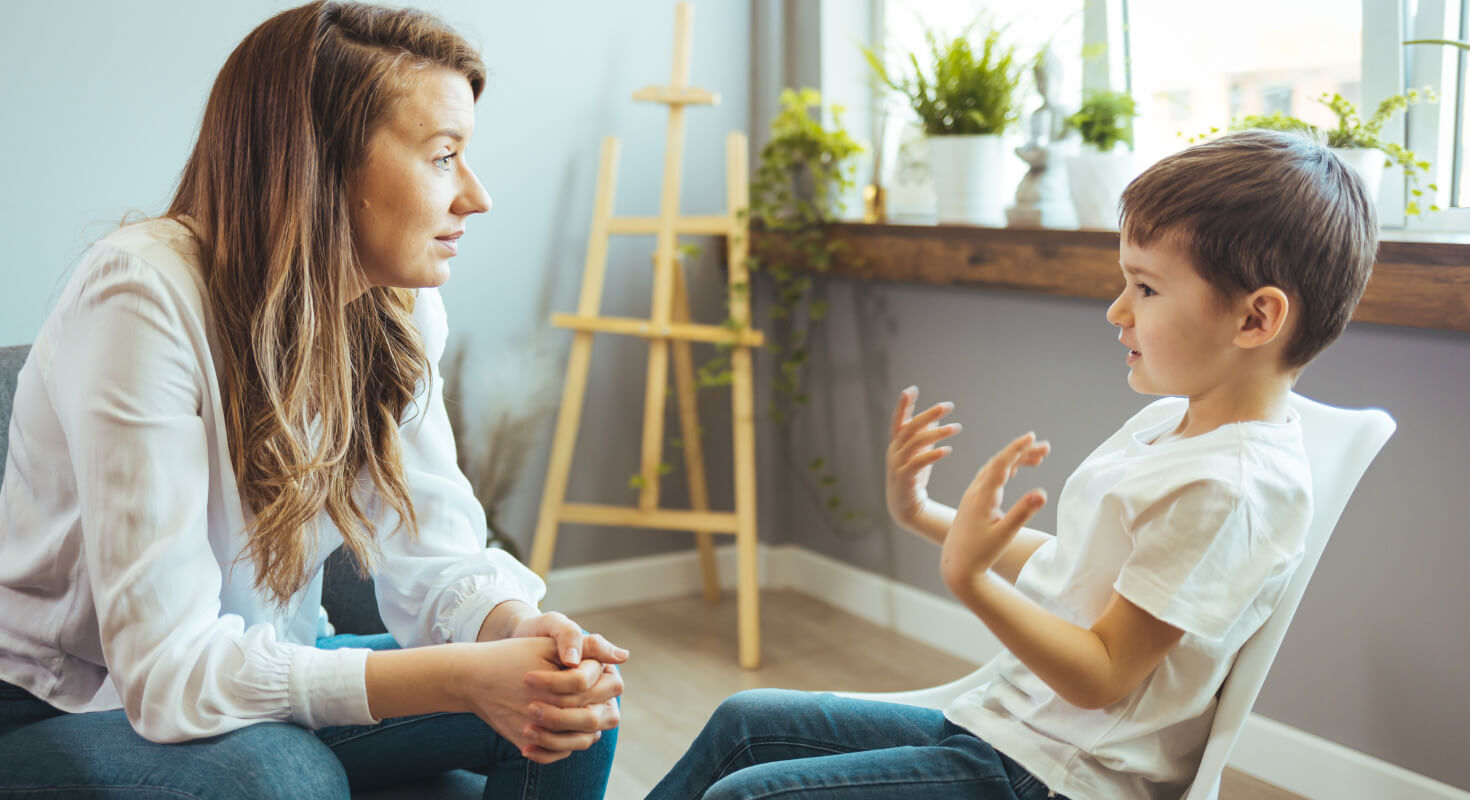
pixel 1359 142
pixel 965 103
pixel 1101 170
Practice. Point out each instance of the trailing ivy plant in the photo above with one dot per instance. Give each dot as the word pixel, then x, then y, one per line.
pixel 799 179
pixel 1104 119
pixel 1352 131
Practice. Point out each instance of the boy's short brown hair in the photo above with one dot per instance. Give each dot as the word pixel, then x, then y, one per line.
pixel 1262 208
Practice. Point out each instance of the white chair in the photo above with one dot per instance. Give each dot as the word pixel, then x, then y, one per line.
pixel 1340 444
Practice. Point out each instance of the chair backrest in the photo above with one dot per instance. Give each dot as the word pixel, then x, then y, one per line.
pixel 11 360
pixel 1340 444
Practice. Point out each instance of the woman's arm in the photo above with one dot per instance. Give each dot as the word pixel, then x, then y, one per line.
pixel 129 381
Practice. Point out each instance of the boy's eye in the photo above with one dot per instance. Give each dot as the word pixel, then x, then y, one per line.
pixel 443 161
pixel 1146 290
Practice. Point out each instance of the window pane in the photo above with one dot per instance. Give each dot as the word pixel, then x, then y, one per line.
pixel 1196 66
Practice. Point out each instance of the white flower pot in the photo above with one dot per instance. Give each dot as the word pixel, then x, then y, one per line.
pixel 1368 163
pixel 1097 180
pixel 967 174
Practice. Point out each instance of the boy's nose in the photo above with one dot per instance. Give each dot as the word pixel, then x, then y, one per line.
pixel 1117 312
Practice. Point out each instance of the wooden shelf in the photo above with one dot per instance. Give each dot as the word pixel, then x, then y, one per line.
pixel 1417 284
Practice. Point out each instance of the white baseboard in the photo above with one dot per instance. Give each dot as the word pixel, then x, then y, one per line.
pixel 1279 754
pixel 1315 767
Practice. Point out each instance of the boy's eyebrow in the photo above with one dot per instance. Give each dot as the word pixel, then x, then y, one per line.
pixel 1132 270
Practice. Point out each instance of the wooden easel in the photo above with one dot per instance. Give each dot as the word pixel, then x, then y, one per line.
pixel 669 327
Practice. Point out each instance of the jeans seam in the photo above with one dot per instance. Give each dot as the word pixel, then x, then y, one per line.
pixel 369 730
pixel 871 784
pixel 746 745
pixel 149 789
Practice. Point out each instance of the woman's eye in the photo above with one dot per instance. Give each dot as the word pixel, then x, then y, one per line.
pixel 443 161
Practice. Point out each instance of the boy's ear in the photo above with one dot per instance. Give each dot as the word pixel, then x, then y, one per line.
pixel 1263 317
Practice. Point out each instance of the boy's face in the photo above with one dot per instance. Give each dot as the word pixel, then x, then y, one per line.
pixel 1179 332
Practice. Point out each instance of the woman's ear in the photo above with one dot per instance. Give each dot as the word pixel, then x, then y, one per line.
pixel 1263 317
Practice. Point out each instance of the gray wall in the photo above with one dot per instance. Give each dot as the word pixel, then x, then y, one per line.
pixel 1375 659
pixel 101 113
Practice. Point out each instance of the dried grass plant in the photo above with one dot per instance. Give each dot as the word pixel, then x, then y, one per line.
pixel 498 407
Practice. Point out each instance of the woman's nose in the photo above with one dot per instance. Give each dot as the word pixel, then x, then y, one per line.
pixel 472 199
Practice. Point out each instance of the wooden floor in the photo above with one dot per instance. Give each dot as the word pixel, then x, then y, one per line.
pixel 683 664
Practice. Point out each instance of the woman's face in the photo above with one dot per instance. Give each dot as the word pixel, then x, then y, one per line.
pixel 414 190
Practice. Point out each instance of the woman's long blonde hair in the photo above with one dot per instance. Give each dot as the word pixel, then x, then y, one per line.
pixel 314 383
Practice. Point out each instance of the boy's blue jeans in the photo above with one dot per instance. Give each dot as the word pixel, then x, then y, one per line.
pixel 775 743
pixel 48 753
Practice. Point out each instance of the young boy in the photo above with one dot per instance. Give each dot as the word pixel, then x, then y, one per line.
pixel 1243 258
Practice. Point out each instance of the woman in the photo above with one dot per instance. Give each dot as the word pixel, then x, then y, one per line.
pixel 224 395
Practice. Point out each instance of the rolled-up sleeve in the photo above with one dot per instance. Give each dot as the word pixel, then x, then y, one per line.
pixel 438 586
pixel 128 386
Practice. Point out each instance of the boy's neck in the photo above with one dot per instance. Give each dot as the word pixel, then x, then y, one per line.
pixel 1263 399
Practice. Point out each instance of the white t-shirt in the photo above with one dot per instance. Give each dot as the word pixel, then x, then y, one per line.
pixel 120 520
pixel 1203 533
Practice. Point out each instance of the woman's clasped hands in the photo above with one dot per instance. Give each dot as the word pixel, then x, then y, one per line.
pixel 547 686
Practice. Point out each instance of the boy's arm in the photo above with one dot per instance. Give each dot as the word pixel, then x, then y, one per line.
pixel 1088 667
pixel 911 454
pixel 935 520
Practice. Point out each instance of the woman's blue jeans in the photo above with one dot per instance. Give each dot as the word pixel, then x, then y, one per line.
pixel 776 743
pixel 48 753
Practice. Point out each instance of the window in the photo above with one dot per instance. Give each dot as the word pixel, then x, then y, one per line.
pixel 1193 67
pixel 1439 132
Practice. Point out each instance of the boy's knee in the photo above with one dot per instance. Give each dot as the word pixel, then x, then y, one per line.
pixel 747 710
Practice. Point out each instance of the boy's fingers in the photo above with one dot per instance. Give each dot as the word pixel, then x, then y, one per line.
pixel 1023 510
pixel 922 460
pixel 993 476
pixel 901 411
pixel 921 421
pixel 926 439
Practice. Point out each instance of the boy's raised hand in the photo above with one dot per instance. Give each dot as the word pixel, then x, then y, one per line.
pixel 981 530
pixel 911 455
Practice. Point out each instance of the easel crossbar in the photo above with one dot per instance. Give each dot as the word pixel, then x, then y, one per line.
pixel 677 331
pixel 661 519
pixel 649 226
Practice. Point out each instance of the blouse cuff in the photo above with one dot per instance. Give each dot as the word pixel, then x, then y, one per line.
pixel 329 687
pixel 472 599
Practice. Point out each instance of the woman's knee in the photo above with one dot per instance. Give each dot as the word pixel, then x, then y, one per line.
pixel 274 759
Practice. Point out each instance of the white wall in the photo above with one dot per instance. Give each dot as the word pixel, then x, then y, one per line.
pixel 101 105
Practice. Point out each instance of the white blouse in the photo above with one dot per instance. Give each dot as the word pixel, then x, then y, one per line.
pixel 121 522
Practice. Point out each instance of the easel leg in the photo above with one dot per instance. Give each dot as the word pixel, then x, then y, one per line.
pixel 567 421
pixel 693 445
pixel 748 579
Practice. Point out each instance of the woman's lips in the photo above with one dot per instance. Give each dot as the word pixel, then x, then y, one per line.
pixel 450 242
